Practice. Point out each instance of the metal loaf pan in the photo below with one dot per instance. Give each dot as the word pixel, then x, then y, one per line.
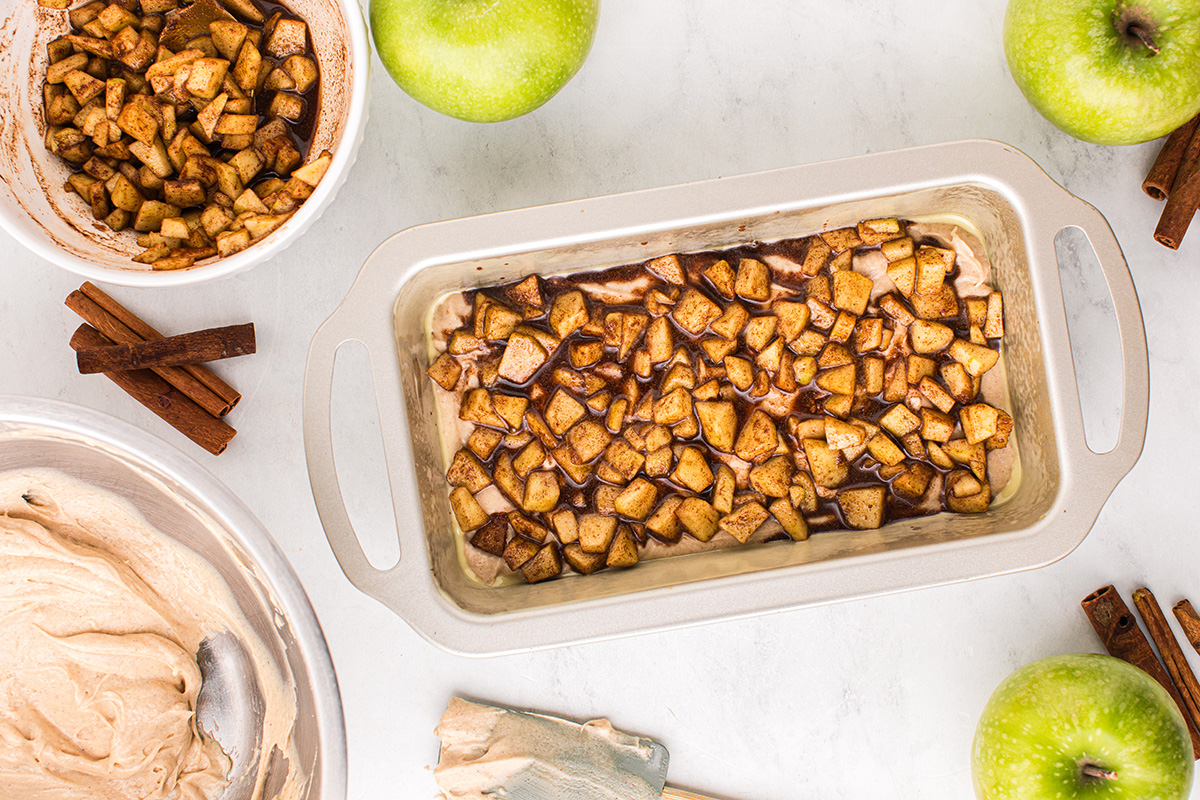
pixel 998 191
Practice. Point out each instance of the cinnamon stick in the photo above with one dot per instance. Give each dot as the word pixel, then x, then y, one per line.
pixel 1164 171
pixel 176 408
pixel 1121 637
pixel 1172 655
pixel 211 344
pixel 1189 620
pixel 120 333
pixel 229 396
pixel 1181 203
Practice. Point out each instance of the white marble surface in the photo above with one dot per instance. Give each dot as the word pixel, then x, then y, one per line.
pixel 875 698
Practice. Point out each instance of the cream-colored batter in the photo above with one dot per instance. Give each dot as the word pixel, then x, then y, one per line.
pixel 100 621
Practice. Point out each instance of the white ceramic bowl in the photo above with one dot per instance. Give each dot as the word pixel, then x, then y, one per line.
pixel 58 225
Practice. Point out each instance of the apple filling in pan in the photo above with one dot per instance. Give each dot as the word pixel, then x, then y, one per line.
pixel 767 391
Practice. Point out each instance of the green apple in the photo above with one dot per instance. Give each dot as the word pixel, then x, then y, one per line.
pixel 1107 71
pixel 1081 726
pixel 483 60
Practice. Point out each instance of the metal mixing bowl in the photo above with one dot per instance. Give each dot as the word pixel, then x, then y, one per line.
pixel 183 501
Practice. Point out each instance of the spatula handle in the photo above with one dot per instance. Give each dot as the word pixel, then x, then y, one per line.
pixel 671 793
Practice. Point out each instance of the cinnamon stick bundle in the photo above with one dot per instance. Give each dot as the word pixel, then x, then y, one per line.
pixel 123 327
pixel 1183 198
pixel 165 400
pixel 211 344
pixel 1165 170
pixel 1122 638
pixel 1172 655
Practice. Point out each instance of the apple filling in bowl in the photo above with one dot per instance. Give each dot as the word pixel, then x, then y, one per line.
pixel 188 121
pixel 702 400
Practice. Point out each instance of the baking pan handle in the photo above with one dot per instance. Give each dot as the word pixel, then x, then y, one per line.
pixel 1111 466
pixel 322 471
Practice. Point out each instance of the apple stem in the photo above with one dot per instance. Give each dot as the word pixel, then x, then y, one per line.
pixel 1098 773
pixel 1143 36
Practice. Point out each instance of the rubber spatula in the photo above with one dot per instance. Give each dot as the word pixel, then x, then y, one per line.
pixel 493 752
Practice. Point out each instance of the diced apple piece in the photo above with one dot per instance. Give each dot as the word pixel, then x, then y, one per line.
pixel 827 465
pixel 839 380
pixel 743 522
pixel 976 311
pixel 692 470
pixel 731 322
pixel 878 231
pixel 668 269
pixel 862 508
pixel 914 481
pixel 587 440
pixel 467 511
pixel 890 305
pixel 721 276
pixel 899 420
pixel 1004 427
pixel 623 550
pixel 815 257
pixel 541 491
pixel 596 532
pixel 694 311
pixel 851 291
pixel 663 523
pixel 903 273
pixel 544 565
pixel 884 449
pixel 637 500
pixel 929 337
pixel 918 368
pixel 842 435
pixel 973 456
pixel 753 280
pixel 975 358
pixel 789 519
pixel 759 331
pixel 523 356
pixel 466 470
pixel 966 494
pixel 773 477
pixel 841 239
pixel 581 562
pixel 897 249
pixel 936 426
pixel 698 518
pixel 932 265
pixel 563 411
pixel 942 304
pixel 993 326
pixel 758 438
pixel 519 551
pixel 934 393
pixel 493 535
pixel 718 424
pixel 793 317
pixel 978 421
pixel 958 382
